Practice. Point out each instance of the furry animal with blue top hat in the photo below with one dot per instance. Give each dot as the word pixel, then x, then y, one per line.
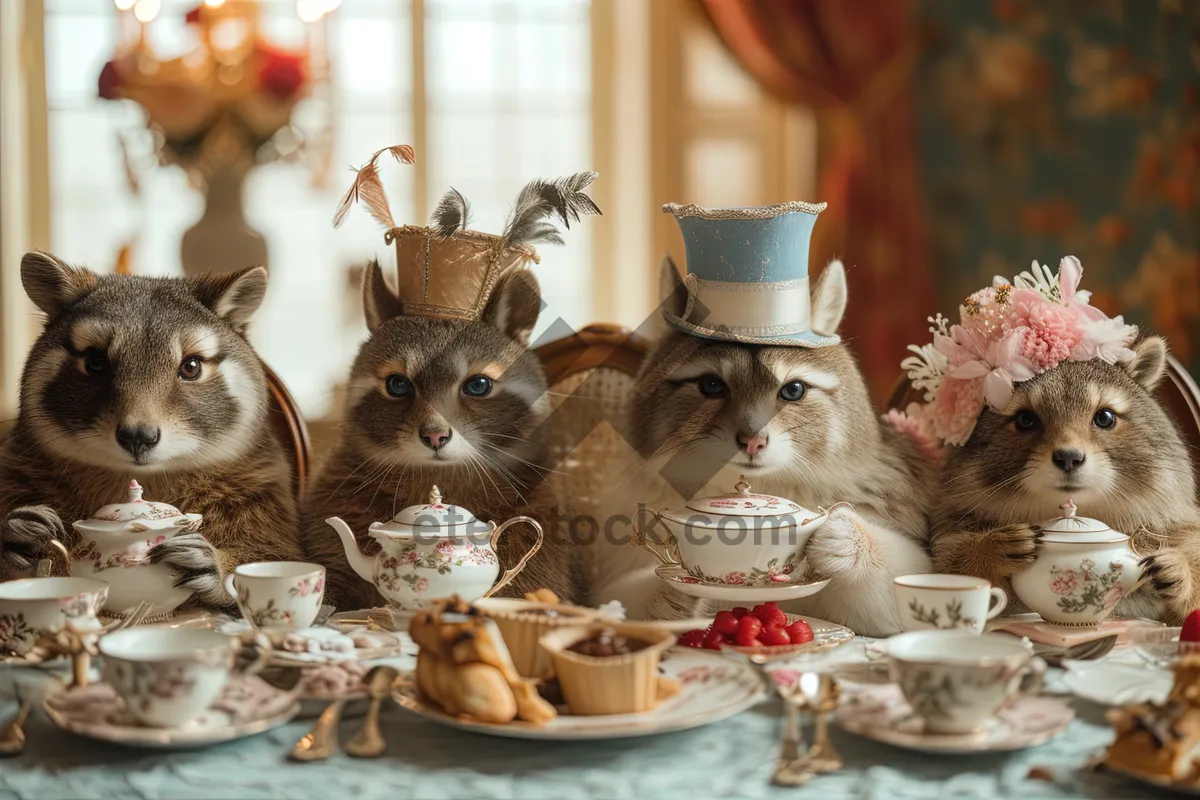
pixel 747 274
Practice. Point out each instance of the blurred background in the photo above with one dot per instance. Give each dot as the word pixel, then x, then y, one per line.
pixel 953 141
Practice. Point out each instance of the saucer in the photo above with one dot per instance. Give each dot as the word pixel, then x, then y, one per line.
pixel 713 688
pixel 732 593
pixel 246 707
pixel 881 713
pixel 1116 684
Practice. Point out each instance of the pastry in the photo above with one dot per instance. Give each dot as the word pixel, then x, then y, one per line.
pixel 610 668
pixel 1162 739
pixel 464 666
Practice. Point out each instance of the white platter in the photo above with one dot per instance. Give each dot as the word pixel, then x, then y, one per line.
pixel 713 688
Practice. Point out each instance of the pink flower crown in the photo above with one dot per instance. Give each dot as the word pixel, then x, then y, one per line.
pixel 1009 332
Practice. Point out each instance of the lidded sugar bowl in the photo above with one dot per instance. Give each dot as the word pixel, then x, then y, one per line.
pixel 1083 569
pixel 114 546
pixel 434 550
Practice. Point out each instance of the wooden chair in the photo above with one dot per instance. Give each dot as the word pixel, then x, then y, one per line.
pixel 1179 394
pixel 591 376
pixel 288 425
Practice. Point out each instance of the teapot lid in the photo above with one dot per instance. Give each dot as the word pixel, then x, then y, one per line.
pixel 434 514
pixel 744 503
pixel 1071 528
pixel 141 514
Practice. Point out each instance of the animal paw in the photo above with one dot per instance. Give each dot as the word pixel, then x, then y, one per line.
pixel 195 563
pixel 1014 547
pixel 1169 574
pixel 25 536
pixel 841 545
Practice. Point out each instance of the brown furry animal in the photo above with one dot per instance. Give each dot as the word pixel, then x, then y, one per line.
pixel 455 403
pixel 1091 432
pixel 149 378
pixel 699 405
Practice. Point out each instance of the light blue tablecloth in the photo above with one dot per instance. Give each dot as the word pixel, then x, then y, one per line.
pixel 425 760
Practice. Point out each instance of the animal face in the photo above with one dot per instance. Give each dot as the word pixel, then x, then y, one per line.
pixel 137 374
pixel 708 409
pixel 1086 430
pixel 448 393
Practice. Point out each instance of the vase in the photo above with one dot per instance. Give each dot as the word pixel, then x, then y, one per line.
pixel 222 240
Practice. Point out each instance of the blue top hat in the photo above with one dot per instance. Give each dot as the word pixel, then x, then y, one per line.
pixel 747 274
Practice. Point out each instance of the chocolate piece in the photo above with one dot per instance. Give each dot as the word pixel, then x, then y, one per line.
pixel 608 643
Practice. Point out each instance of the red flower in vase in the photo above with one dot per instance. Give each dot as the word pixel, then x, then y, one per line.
pixel 281 74
pixel 110 82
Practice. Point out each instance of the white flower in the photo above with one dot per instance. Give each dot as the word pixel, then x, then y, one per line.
pixel 925 368
pixel 1106 339
pixel 1041 280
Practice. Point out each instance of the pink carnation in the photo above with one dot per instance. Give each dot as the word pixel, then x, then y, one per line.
pixel 956 409
pixel 914 423
pixel 1053 332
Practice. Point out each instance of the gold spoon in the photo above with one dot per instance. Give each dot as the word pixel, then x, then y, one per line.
pixel 319 743
pixel 12 740
pixel 822 692
pixel 369 741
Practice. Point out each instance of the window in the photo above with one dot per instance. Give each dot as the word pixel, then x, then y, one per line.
pixel 503 94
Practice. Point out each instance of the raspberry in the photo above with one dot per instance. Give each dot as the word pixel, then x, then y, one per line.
pixel 713 640
pixel 770 614
pixel 692 638
pixel 726 623
pixel 740 611
pixel 800 632
pixel 775 637
pixel 1191 628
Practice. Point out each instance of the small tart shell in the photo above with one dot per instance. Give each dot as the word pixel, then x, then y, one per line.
pixel 522 628
pixel 624 684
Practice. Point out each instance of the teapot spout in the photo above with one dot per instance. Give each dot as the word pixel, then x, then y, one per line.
pixel 361 564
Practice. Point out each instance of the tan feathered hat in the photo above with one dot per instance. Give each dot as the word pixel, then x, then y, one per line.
pixel 448 272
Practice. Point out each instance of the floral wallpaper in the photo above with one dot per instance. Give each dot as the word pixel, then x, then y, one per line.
pixel 1059 128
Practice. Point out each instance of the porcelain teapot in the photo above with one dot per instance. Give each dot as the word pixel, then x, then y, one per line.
pixel 1082 571
pixel 432 551
pixel 743 538
pixel 114 546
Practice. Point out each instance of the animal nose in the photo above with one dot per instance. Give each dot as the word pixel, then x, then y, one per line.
pixel 1067 458
pixel 753 443
pixel 435 440
pixel 138 440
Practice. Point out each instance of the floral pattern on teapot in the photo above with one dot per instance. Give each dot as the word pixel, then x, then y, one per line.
pixel 1087 588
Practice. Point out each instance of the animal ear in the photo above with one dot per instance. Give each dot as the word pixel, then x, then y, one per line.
pixel 379 302
pixel 53 285
pixel 515 305
pixel 1149 362
pixel 829 299
pixel 233 296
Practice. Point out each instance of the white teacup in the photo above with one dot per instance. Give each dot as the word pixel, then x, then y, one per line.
pixel 935 601
pixel 955 680
pixel 278 596
pixel 32 607
pixel 169 676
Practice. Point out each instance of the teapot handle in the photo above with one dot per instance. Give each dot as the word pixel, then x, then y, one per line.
pixel 826 512
pixel 45 566
pixel 512 573
pixel 667 553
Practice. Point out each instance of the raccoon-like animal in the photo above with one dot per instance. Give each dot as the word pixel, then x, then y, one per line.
pixel 150 378
pixel 460 404
pixel 1087 431
pixel 796 422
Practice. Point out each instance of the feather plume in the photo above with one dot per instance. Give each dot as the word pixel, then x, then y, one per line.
pixel 368 188
pixel 452 214
pixel 541 199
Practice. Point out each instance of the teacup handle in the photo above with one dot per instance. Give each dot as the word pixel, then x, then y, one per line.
pixel 495 541
pixel 263 649
pixel 232 591
pixel 1001 601
pixel 667 553
pixel 45 566
pixel 1032 677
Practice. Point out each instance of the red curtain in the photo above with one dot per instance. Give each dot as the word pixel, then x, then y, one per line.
pixel 852 60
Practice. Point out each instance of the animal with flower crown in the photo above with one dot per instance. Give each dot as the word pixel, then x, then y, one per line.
pixel 1036 397
pixel 445 390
